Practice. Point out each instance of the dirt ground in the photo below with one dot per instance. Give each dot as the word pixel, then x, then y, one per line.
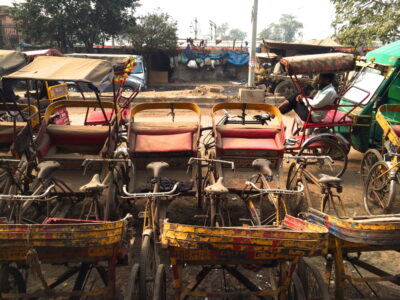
pixel 182 209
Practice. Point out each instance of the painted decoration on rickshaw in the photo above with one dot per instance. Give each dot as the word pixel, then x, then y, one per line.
pixel 63 117
pixel 318 63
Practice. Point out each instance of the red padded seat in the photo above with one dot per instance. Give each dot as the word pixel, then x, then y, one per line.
pixel 249 141
pixel 7 131
pixel 169 139
pixel 180 142
pixel 75 137
pixel 97 117
pixel 335 116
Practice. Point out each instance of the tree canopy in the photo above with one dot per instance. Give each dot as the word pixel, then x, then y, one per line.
pixel 237 34
pixel 362 22
pixel 286 30
pixel 66 22
pixel 153 32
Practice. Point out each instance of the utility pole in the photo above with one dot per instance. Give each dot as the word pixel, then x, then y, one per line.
pixel 195 28
pixel 212 24
pixel 252 60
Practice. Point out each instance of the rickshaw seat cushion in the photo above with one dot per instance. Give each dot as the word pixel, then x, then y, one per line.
pixel 96 117
pixel 247 132
pixel 334 116
pixel 7 131
pixel 232 139
pixel 268 144
pixel 179 137
pixel 77 134
pixel 154 143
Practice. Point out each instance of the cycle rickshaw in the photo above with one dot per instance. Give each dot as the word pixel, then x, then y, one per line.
pixel 66 149
pixel 159 151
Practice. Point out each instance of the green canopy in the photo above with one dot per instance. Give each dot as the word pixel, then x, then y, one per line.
pixel 386 55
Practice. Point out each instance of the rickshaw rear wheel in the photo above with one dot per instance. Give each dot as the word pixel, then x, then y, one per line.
pixel 325 146
pixel 11 280
pixel 160 284
pixel 379 191
pixel 312 281
pixel 370 157
pixel 147 268
pixel 132 288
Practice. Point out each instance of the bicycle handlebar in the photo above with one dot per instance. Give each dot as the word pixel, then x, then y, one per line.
pixel 26 197
pixel 193 159
pixel 149 194
pixel 276 191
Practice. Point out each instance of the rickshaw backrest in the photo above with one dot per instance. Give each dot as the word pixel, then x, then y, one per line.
pixel 167 138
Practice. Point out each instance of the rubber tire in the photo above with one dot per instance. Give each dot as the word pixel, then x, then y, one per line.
pixel 6 271
pixel 132 288
pixel 370 157
pixel 160 284
pixel 391 193
pixel 284 88
pixel 303 201
pixel 305 270
pixel 146 251
pixel 333 143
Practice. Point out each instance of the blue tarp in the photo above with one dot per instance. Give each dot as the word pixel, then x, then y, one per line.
pixel 237 58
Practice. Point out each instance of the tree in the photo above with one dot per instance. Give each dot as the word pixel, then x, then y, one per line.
pixel 65 22
pixel 222 30
pixel 287 30
pixel 362 22
pixel 153 32
pixel 237 34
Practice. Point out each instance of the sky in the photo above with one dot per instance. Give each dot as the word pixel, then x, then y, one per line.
pixel 316 15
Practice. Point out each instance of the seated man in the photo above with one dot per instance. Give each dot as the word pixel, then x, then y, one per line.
pixel 326 95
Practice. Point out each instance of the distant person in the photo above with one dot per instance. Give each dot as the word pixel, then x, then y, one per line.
pixel 325 96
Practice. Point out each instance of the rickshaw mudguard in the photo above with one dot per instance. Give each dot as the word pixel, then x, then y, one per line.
pixel 336 136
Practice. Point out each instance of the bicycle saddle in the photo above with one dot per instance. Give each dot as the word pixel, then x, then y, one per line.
pixel 157 167
pixel 217 188
pixel 326 179
pixel 93 185
pixel 262 165
pixel 46 168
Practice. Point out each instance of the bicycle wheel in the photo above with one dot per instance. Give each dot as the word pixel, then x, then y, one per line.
pixel 11 280
pixel 262 207
pixel 299 202
pixel 325 146
pixel 370 157
pixel 147 268
pixel 132 288
pixel 379 190
pixel 160 284
pixel 314 286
